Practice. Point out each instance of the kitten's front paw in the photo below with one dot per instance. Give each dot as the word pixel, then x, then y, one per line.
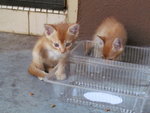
pixel 40 78
pixel 60 76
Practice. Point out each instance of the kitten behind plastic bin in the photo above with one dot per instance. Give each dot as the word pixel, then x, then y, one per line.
pixel 111 37
pixel 51 50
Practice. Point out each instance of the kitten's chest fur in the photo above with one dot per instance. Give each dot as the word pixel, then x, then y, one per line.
pixel 52 58
pixel 54 55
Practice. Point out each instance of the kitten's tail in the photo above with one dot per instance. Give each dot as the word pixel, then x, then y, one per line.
pixel 35 71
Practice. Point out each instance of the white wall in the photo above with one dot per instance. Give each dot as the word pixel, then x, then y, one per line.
pixel 27 22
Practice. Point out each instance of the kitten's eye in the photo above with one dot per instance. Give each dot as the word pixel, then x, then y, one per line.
pixel 68 44
pixel 56 44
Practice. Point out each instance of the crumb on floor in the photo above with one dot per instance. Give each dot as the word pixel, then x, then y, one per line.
pixel 31 94
pixel 107 110
pixel 52 105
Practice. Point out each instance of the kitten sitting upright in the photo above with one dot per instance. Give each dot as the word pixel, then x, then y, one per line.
pixel 52 50
pixel 111 37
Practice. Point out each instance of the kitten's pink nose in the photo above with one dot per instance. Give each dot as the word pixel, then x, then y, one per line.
pixel 62 50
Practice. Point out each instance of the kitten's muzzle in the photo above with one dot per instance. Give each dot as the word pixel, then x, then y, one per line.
pixel 62 51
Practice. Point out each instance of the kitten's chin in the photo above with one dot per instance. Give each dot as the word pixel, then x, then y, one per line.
pixel 63 53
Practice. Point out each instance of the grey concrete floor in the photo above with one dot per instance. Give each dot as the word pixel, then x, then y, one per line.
pixel 16 83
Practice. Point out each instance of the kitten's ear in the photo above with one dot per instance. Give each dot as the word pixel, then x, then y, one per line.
pixel 74 29
pixel 49 29
pixel 99 40
pixel 117 45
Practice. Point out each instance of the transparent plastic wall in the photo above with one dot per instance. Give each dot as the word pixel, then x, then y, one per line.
pixel 130 74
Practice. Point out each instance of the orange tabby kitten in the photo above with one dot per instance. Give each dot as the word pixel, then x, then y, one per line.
pixel 111 37
pixel 52 50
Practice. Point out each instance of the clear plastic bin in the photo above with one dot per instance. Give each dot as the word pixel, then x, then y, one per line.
pixel 127 79
pixel 125 76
